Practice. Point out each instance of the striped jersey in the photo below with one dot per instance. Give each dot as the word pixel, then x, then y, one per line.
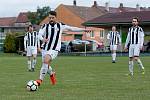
pixel 114 37
pixel 31 39
pixel 135 36
pixel 53 32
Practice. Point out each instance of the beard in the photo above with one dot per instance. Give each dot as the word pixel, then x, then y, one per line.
pixel 52 21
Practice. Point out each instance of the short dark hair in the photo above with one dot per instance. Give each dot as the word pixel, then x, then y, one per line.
pixel 29 26
pixel 136 18
pixel 53 13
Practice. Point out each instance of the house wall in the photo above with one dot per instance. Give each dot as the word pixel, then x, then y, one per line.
pixel 68 17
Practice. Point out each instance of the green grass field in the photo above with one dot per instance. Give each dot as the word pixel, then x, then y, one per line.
pixel 78 78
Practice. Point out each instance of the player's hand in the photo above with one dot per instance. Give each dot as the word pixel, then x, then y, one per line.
pixel 125 49
pixel 141 48
pixel 45 40
pixel 39 49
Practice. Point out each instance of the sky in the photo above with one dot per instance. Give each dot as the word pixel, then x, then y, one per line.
pixel 11 8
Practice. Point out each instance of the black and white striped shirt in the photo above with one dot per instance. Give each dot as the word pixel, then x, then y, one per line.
pixel 53 33
pixel 114 37
pixel 135 36
pixel 31 39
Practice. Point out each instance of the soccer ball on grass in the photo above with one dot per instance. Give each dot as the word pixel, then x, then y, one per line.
pixel 32 85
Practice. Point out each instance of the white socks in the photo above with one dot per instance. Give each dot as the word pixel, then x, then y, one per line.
pixel 50 70
pixel 131 67
pixel 43 71
pixel 140 64
pixel 29 64
pixel 33 63
pixel 113 56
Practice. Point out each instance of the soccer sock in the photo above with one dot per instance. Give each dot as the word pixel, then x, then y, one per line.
pixel 131 67
pixel 33 63
pixel 49 70
pixel 113 56
pixel 140 64
pixel 43 70
pixel 29 64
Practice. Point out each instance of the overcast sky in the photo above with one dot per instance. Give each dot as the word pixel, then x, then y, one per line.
pixel 13 7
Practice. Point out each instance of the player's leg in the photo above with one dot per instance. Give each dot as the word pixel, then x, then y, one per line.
pixel 111 49
pixel 34 61
pixel 114 48
pixel 29 58
pixel 131 63
pixel 29 63
pixel 137 59
pixel 50 71
pixel 34 55
pixel 44 68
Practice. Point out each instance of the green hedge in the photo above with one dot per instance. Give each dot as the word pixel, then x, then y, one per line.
pixel 10 43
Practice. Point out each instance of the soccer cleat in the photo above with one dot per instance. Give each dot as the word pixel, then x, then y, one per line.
pixel 142 71
pixel 113 61
pixel 52 78
pixel 129 74
pixel 32 69
pixel 39 81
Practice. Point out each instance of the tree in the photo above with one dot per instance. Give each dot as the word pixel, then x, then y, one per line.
pixel 39 15
pixel 10 43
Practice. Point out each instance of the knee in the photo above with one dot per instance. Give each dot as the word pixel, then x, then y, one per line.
pixel 135 58
pixel 46 61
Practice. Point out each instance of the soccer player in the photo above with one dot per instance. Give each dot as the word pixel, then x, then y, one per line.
pixel 135 39
pixel 50 34
pixel 115 40
pixel 30 46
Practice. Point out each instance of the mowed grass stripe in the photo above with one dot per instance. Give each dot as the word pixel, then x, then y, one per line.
pixel 78 78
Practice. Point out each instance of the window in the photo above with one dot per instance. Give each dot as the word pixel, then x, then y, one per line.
pixel 91 33
pixel 1 29
pixel 102 33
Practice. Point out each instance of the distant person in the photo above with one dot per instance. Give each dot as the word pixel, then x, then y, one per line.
pixel 51 34
pixel 71 46
pixel 135 39
pixel 114 40
pixel 31 46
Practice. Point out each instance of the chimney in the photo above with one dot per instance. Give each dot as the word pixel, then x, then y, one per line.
pixel 74 3
pixel 137 7
pixel 121 5
pixel 95 4
pixel 107 6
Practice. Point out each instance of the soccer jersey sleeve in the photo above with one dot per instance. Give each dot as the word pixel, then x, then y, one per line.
pixel 141 37
pixel 71 28
pixel 25 42
pixel 42 31
pixel 108 36
pixel 128 39
pixel 119 38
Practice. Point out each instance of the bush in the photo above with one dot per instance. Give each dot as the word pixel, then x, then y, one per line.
pixel 10 43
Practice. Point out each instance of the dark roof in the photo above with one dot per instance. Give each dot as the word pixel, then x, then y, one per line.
pixel 22 17
pixel 7 21
pixel 86 13
pixel 119 18
pixel 116 10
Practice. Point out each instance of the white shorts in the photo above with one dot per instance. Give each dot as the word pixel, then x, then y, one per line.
pixel 134 50
pixel 113 47
pixel 53 54
pixel 31 51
